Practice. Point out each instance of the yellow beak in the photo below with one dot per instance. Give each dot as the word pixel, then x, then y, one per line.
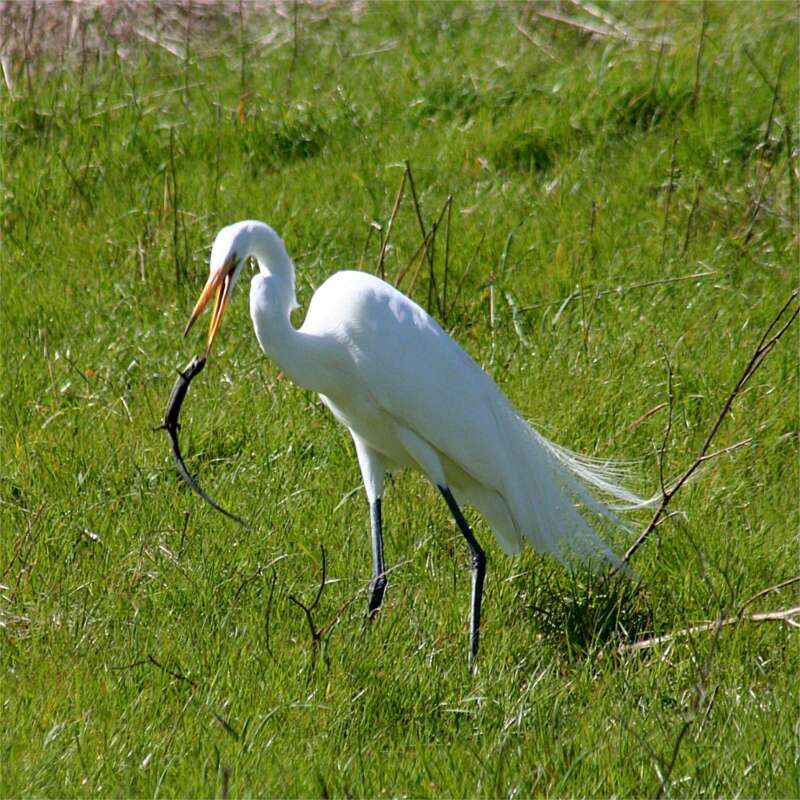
pixel 221 282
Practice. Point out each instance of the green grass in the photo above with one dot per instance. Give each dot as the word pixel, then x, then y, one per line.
pixel 572 167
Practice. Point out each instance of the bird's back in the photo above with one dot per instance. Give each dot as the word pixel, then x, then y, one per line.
pixel 413 369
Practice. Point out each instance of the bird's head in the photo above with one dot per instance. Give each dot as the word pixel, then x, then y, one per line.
pixel 229 253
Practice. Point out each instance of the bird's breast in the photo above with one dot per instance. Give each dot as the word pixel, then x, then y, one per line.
pixel 361 415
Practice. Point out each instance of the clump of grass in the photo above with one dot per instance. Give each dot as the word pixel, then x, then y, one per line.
pixel 525 151
pixel 645 106
pixel 299 133
pixel 585 614
pixel 449 98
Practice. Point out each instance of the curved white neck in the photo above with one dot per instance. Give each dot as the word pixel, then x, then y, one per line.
pixel 273 261
pixel 272 299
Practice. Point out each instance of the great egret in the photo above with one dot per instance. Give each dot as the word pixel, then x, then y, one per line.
pixel 412 398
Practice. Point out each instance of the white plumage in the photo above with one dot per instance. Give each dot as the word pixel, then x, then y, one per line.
pixel 412 398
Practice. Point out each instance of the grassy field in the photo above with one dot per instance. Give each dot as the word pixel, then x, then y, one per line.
pixel 621 199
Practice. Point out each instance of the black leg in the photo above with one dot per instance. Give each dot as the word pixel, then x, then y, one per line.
pixel 378 584
pixel 478 572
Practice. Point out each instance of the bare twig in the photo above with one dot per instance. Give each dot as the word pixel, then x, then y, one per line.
pixel 424 245
pixel 600 29
pixel 172 673
pixel 417 253
pixel 766 343
pixel 769 590
pixel 173 183
pixel 326 629
pixel 537 42
pixel 428 241
pixel 564 301
pixel 395 208
pixel 700 694
pixel 787 132
pixel 781 615
pixel 668 429
pixel 670 190
pixel 768 168
pixel 268 613
pixel 728 449
pixel 257 574
pixel 639 420
pixel 319 634
pixel 690 218
pixel 316 635
pixel 466 271
pixel 446 258
pixel 699 60
pixel 371 229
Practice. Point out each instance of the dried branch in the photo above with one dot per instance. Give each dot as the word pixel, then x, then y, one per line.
pixel 371 228
pixel 700 694
pixel 172 673
pixel 425 244
pixel 639 420
pixel 757 206
pixel 690 218
pixel 600 29
pixel 565 301
pixel 417 253
pixel 699 60
pixel 446 258
pixel 536 42
pixel 268 612
pixel 316 635
pixel 428 242
pixel 766 343
pixel 668 429
pixel 769 590
pixel 395 208
pixel 728 449
pixel 466 271
pixel 670 191
pixel 257 574
pixel 781 615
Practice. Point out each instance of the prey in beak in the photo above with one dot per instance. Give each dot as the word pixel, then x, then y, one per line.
pixel 220 282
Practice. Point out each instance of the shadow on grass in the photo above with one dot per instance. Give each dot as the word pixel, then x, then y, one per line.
pixel 583 613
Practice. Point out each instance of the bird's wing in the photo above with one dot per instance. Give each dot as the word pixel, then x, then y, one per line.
pixel 419 375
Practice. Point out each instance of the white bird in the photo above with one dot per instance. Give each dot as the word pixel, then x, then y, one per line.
pixel 412 398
